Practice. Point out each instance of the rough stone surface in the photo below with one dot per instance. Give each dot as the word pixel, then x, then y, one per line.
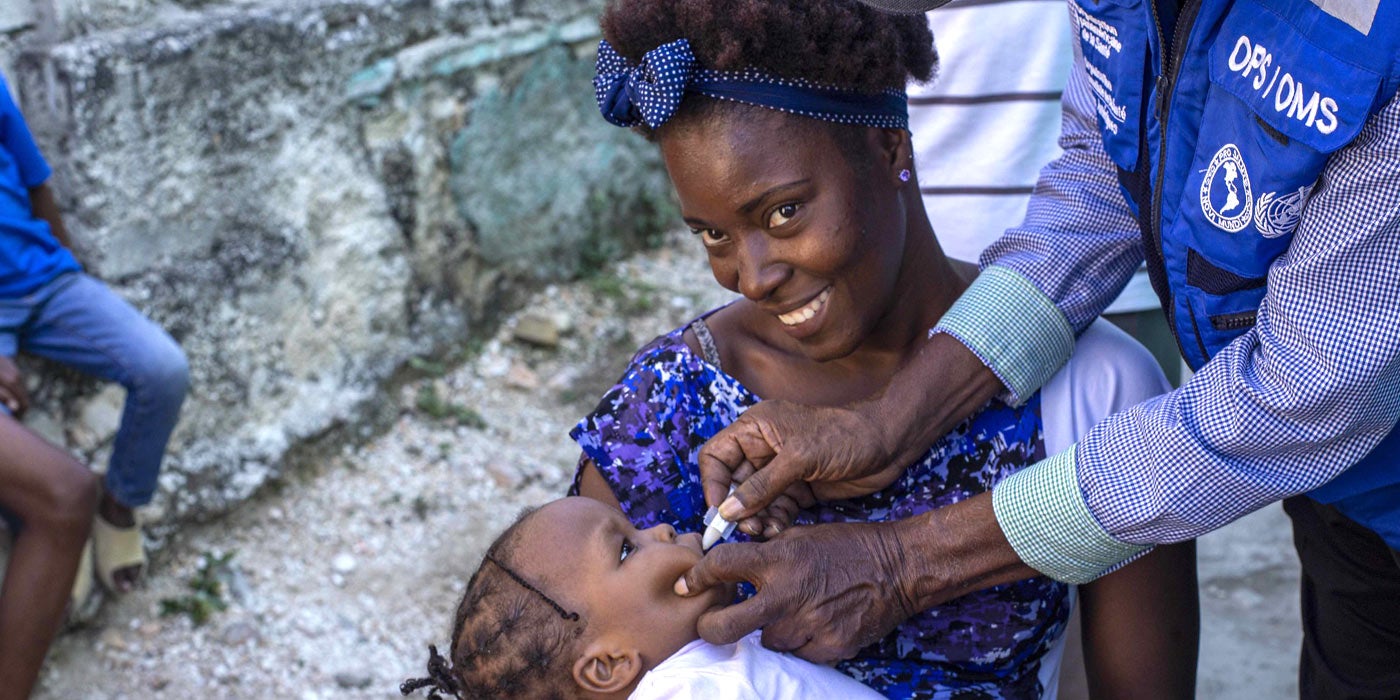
pixel 525 200
pixel 537 328
pixel 16 15
pixel 308 195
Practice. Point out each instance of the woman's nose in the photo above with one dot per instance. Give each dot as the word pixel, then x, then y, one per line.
pixel 759 273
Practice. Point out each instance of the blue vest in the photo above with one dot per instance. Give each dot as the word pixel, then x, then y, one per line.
pixel 1220 115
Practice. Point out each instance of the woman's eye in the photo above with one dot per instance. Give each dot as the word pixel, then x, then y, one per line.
pixel 709 236
pixel 782 215
pixel 627 549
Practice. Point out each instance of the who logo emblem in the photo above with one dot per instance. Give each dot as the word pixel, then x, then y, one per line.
pixel 1276 216
pixel 1226 197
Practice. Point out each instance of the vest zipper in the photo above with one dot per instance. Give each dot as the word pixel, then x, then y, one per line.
pixel 1234 322
pixel 1170 68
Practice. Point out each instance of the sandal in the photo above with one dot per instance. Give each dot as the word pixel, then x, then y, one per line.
pixel 116 548
pixel 81 602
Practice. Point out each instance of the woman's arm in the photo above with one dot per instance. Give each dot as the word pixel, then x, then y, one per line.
pixel 591 484
pixel 1141 627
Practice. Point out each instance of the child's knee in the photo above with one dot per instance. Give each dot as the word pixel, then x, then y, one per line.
pixel 164 373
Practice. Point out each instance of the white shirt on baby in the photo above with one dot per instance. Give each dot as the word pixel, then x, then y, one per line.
pixel 745 670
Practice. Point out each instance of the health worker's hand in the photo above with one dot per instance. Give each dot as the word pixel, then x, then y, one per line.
pixel 824 591
pixel 844 451
pixel 778 515
pixel 775 446
pixel 12 392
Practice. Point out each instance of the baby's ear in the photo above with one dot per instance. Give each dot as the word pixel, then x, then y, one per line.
pixel 606 668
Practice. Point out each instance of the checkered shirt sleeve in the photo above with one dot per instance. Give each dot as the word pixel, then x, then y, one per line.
pixel 1287 406
pixel 1046 280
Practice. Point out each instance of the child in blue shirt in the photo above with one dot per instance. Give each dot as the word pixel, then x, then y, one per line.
pixel 49 308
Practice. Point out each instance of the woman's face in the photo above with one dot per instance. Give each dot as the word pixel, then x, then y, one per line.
pixel 815 243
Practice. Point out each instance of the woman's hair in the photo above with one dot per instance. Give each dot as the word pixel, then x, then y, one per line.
pixel 509 638
pixel 837 42
pixel 841 43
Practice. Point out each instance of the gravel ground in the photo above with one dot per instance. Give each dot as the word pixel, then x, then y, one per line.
pixel 342 574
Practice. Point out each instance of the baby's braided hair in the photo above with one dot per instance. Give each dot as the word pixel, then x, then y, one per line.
pixel 509 637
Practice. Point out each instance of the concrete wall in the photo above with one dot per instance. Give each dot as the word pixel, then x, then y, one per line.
pixel 307 194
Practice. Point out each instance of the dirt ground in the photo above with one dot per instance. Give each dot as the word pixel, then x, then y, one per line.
pixel 339 576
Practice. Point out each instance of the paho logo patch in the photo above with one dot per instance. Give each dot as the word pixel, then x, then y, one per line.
pixel 1226 197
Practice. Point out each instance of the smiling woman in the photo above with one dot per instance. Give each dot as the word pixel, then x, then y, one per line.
pixel 783 128
pixel 774 202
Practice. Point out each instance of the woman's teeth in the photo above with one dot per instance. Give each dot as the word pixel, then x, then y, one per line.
pixel 805 313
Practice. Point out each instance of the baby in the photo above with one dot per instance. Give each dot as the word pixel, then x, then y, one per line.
pixel 573 602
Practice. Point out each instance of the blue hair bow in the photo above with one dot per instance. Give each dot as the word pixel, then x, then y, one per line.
pixel 650 92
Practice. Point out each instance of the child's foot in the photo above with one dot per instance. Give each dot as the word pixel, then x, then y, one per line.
pixel 120 555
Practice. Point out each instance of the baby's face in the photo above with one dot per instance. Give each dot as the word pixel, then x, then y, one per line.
pixel 617 577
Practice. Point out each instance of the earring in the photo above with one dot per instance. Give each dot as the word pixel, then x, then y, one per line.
pixel 904 175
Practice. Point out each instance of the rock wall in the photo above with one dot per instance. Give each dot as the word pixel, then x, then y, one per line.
pixel 308 194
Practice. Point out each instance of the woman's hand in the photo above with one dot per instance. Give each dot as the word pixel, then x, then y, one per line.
pixel 824 591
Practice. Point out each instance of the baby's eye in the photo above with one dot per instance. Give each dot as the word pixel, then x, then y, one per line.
pixel 782 214
pixel 627 549
pixel 709 236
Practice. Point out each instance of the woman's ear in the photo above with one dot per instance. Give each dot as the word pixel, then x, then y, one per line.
pixel 896 153
pixel 605 668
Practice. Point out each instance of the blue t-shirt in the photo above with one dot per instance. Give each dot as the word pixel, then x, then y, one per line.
pixel 30 256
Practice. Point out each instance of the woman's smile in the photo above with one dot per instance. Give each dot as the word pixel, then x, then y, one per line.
pixel 798 321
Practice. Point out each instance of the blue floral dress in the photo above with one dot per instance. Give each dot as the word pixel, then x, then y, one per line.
pixel 644 437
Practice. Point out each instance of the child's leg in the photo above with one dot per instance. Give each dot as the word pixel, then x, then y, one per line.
pixel 83 324
pixel 52 497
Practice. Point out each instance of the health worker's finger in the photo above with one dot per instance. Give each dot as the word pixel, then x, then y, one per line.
pixel 743 471
pixel 819 651
pixel 735 562
pixel 779 641
pixel 800 637
pixel 761 489
pixel 783 509
pixel 748 440
pixel 801 494
pixel 730 624
pixel 717 466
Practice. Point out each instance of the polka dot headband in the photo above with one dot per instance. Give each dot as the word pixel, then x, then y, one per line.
pixel 649 93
